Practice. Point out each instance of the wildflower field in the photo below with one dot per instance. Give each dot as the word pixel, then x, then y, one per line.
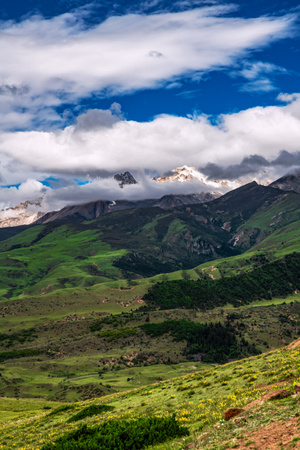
pixel 197 401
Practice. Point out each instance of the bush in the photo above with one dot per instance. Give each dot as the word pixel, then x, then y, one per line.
pixel 120 434
pixel 4 356
pixel 120 334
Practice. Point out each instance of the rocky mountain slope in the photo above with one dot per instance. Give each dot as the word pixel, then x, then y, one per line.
pixel 32 211
pixel 289 182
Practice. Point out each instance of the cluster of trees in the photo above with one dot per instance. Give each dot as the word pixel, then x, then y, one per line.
pixel 26 352
pixel 214 341
pixel 276 279
pixel 20 336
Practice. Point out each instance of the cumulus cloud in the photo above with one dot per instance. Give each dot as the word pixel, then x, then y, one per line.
pixel 48 62
pixel 95 119
pixel 255 165
pixel 287 159
pixel 161 144
pixel 29 190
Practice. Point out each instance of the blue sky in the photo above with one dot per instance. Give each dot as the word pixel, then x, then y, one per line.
pixel 91 89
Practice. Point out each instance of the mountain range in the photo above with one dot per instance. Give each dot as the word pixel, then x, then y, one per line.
pixel 32 211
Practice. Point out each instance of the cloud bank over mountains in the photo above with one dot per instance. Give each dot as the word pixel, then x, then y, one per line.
pixel 258 143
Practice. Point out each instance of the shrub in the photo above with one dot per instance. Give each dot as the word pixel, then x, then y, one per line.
pixel 120 434
pixel 119 334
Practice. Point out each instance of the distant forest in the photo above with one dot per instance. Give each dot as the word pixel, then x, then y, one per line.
pixel 276 279
pixel 214 341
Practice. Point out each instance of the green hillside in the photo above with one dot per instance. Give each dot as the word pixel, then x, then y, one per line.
pixel 46 258
pixel 196 402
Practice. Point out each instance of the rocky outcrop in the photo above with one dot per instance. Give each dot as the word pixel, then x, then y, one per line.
pixel 125 178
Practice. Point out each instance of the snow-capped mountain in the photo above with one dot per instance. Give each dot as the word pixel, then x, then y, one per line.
pixel 22 214
pixel 186 173
pixel 182 174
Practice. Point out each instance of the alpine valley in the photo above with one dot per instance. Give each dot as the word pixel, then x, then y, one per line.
pixel 111 306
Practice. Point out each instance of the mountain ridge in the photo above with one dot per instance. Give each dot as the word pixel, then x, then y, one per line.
pixel 93 210
pixel 32 211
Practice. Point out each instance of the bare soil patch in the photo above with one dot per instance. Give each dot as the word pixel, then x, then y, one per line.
pixel 276 435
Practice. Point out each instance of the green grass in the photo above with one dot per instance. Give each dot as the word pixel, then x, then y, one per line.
pixel 63 258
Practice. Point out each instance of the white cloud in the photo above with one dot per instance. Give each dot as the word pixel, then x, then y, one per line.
pixel 254 70
pixel 48 62
pixel 288 98
pixel 260 85
pixel 108 189
pixel 259 76
pixel 29 190
pixel 94 119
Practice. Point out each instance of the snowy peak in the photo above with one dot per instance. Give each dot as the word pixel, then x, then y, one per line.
pixel 22 214
pixel 186 173
pixel 182 174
